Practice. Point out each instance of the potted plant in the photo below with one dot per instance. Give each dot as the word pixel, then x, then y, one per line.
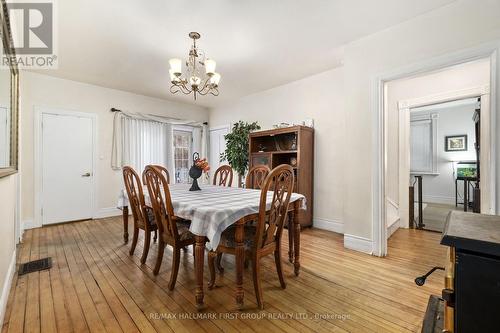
pixel 236 153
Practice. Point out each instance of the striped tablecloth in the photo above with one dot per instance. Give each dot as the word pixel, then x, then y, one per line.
pixel 212 209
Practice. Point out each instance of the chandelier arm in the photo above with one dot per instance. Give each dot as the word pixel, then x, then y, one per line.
pixel 214 91
pixel 185 89
pixel 205 88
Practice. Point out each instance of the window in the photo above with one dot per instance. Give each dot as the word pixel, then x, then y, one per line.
pixel 182 155
pixel 423 143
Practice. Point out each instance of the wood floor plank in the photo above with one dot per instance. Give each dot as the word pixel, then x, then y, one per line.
pixel 95 285
pixel 32 314
pixel 47 312
pixel 62 315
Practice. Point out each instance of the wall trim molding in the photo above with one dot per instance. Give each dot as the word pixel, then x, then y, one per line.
pixel 107 212
pixel 330 225
pixel 6 287
pixel 487 50
pixel 357 243
pixel 393 227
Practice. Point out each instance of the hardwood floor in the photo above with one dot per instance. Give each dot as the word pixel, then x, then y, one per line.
pixel 95 286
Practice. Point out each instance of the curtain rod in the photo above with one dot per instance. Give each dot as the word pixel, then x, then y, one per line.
pixel 118 110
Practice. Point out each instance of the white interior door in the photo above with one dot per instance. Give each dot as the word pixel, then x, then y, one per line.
pixel 67 168
pixel 217 146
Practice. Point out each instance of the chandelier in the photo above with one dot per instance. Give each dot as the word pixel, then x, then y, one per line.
pixel 200 77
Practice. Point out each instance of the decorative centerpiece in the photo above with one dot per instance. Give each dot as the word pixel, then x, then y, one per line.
pixel 199 166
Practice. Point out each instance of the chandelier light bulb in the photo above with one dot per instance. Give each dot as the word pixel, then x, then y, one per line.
pixel 176 66
pixel 215 79
pixel 210 66
pixel 173 77
pixel 194 81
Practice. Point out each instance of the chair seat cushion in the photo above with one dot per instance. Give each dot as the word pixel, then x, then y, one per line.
pixel 183 229
pixel 228 237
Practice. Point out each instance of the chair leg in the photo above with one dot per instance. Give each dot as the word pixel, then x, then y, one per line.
pixel 156 236
pixel 219 265
pixel 134 241
pixel 256 282
pixel 175 268
pixel 246 263
pixel 147 242
pixel 159 258
pixel 279 268
pixel 211 267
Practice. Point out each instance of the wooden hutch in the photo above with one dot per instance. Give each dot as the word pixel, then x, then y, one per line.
pixel 291 145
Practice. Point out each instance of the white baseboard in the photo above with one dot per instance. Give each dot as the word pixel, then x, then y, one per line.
pixel 107 212
pixel 6 287
pixel 358 243
pixel 439 199
pixel 330 225
pixel 393 227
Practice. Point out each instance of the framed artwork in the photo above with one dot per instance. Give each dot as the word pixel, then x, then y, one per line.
pixel 455 143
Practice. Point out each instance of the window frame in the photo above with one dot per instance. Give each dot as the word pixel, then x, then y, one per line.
pixel 433 118
pixel 186 130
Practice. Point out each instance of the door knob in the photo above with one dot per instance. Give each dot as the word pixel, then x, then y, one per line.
pixel 86 174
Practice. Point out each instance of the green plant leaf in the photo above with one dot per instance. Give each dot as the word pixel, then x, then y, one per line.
pixel 236 153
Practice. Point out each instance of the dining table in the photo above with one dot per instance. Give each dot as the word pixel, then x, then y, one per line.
pixel 212 210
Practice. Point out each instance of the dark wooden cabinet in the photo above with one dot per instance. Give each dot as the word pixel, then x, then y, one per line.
pixel 293 146
pixel 474 276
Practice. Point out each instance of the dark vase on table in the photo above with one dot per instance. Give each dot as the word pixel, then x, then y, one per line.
pixel 195 173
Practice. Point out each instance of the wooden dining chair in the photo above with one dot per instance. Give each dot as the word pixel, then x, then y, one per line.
pixel 256 176
pixel 143 215
pixel 264 238
pixel 162 169
pixel 173 231
pixel 223 176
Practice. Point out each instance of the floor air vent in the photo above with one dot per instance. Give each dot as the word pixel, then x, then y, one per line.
pixel 35 266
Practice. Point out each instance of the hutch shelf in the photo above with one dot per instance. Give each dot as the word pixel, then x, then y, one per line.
pixel 291 145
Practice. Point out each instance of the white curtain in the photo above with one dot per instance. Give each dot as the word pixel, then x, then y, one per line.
pixel 146 142
pixel 139 140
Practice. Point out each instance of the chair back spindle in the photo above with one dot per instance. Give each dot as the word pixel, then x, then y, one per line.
pixel 223 176
pixel 256 176
pixel 163 171
pixel 272 215
pixel 161 201
pixel 135 195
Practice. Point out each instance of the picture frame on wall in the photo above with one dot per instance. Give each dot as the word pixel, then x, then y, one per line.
pixel 455 143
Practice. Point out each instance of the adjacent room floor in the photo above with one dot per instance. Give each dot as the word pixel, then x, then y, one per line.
pixel 94 285
pixel 435 215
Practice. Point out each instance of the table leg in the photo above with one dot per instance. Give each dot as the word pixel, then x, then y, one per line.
pixel 296 237
pixel 290 236
pixel 240 258
pixel 199 262
pixel 125 223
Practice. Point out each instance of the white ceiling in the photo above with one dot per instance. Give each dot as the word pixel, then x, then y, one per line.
pixel 258 44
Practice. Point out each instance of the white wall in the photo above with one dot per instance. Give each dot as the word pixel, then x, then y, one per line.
pixel 42 90
pixel 448 29
pixel 8 196
pixel 320 97
pixel 455 120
